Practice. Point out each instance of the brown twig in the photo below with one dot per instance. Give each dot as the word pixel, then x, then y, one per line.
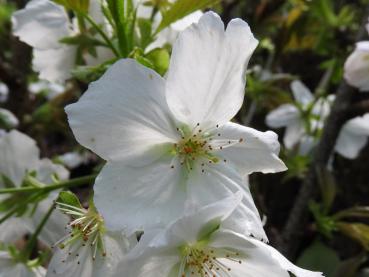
pixel 342 110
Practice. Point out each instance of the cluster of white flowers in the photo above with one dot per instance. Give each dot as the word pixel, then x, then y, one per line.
pixel 20 156
pixel 176 167
pixel 304 121
pixel 173 198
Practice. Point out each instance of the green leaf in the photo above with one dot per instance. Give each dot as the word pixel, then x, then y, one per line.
pixel 160 59
pixel 180 9
pixel 360 211
pixel 319 257
pixel 69 198
pixel 356 231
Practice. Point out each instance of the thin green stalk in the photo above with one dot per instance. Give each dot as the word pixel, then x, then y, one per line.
pixel 61 185
pixel 33 240
pixel 17 207
pixel 101 32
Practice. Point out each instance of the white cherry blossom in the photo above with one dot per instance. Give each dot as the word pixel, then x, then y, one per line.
pixel 357 66
pixel 303 120
pixel 198 244
pixel 42 24
pixel 353 137
pixel 19 155
pixel 169 142
pixel 11 268
pixel 88 250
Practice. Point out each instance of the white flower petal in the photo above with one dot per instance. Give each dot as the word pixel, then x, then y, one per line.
pixel 218 182
pixel 256 152
pixel 293 134
pixel 357 67
pixel 19 154
pixel 41 24
pixel 123 114
pixel 286 264
pixel 301 93
pixel 9 118
pixel 206 78
pixel 54 228
pixel 161 265
pixel 259 259
pixel 10 268
pixel 54 65
pixel 190 227
pixel 4 92
pixel 70 265
pixel 13 229
pixel 284 115
pixel 353 137
pixel 133 199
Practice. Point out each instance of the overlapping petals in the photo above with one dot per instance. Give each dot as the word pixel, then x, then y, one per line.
pixel 166 141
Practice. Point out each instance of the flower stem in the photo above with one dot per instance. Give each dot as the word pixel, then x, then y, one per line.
pixel 32 241
pixel 63 184
pixel 101 32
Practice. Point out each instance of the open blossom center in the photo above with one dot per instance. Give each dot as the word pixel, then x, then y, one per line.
pixel 198 145
pixel 86 229
pixel 206 261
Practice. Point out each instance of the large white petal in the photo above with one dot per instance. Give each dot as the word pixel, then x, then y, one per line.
pixel 218 182
pixel 19 154
pixel 54 65
pixel 256 152
pixel 357 66
pixel 284 263
pixel 161 263
pixel 41 24
pixel 133 199
pixel 259 259
pixel 196 223
pixel 284 115
pixel 206 78
pixel 301 93
pixel 123 114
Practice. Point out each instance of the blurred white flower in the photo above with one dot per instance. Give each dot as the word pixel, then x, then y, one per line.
pixel 8 118
pixel 50 89
pixel 353 137
pixel 4 91
pixel 42 24
pixel 73 159
pixel 169 142
pixel 11 268
pixel 198 244
pixel 19 155
pixel 357 66
pixel 303 120
pixel 88 249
